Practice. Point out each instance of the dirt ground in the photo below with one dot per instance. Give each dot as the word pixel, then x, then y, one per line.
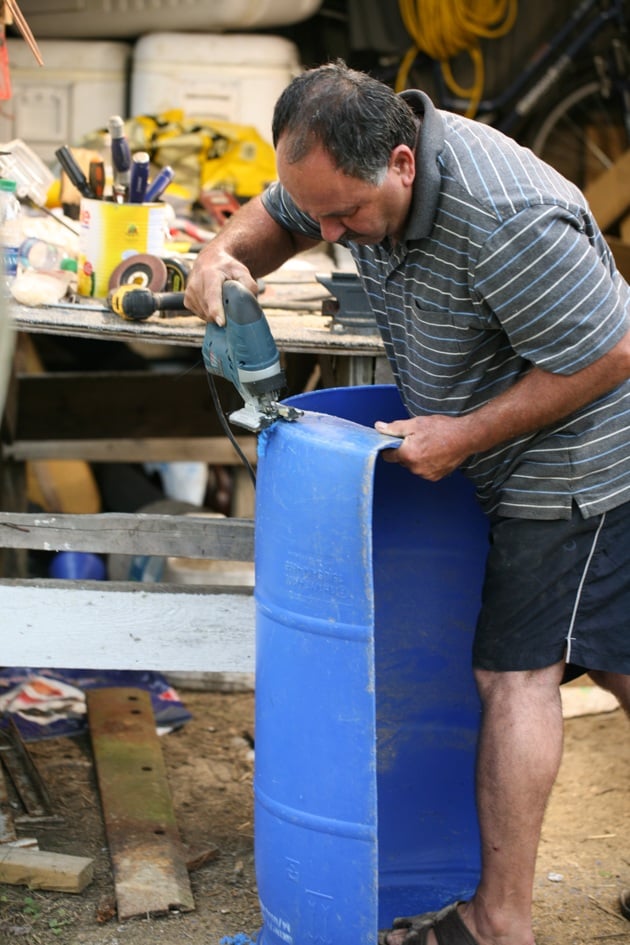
pixel 584 857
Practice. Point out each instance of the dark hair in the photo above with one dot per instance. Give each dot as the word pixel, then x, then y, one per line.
pixel 357 119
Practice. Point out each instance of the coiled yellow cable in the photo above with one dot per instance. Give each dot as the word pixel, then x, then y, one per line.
pixel 444 28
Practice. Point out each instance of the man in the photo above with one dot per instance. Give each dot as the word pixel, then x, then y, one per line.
pixel 507 327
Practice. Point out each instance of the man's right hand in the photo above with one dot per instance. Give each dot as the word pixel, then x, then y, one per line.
pixel 204 288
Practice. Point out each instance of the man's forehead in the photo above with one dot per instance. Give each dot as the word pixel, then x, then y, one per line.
pixel 320 188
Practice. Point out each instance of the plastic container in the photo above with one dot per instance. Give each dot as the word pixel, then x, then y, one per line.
pixel 113 18
pixel 79 86
pixel 40 255
pixel 235 78
pixel 34 179
pixel 11 230
pixel 78 566
pixel 111 233
pixel 44 287
pixel 368 584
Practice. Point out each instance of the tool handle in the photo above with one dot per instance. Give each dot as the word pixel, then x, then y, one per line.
pixel 157 187
pixel 97 178
pixel 67 160
pixel 139 304
pixel 170 302
pixel 139 177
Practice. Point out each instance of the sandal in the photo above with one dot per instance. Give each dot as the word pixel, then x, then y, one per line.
pixel 446 924
pixel 624 903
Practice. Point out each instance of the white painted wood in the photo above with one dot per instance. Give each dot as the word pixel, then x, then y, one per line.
pixel 118 626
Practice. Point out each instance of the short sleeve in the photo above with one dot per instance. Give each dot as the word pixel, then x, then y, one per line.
pixel 553 293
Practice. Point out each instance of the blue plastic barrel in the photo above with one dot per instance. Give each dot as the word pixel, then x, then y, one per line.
pixel 368 584
pixel 77 565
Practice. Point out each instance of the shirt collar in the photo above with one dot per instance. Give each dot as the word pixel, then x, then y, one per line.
pixel 426 187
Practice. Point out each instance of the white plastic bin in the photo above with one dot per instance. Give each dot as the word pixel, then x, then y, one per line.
pixel 110 19
pixel 76 90
pixel 234 78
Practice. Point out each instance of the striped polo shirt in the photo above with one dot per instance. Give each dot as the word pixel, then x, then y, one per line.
pixel 501 267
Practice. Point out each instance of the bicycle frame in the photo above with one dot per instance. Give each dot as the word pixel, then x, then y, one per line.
pixel 550 63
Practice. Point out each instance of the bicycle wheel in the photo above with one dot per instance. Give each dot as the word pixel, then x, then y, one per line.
pixel 581 135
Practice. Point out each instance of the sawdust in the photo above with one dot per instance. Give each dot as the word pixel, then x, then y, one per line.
pixel 584 857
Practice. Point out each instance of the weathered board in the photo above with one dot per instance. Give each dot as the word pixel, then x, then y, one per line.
pixel 38 869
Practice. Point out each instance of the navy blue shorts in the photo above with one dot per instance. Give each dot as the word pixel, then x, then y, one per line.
pixel 557 590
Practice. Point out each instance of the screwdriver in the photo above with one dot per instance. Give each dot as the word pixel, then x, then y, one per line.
pixel 66 158
pixel 121 155
pixel 139 177
pixel 96 178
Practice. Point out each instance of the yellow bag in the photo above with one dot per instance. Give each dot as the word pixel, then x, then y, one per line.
pixel 205 154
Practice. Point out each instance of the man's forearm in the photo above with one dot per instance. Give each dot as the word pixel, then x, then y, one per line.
pixel 249 245
pixel 435 445
pixel 254 238
pixel 541 399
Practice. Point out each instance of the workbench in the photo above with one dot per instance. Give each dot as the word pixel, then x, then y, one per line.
pixel 126 625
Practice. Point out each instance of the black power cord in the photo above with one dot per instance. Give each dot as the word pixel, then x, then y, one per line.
pixel 226 427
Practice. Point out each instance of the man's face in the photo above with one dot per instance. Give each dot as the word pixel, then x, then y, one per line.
pixel 347 206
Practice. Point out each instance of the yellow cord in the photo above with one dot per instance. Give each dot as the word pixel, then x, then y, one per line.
pixel 444 28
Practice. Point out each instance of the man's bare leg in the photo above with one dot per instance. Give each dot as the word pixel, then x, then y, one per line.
pixel 520 749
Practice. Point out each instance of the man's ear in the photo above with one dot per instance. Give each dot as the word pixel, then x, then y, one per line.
pixel 403 162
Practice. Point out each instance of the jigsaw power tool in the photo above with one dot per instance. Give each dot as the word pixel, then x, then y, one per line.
pixel 245 353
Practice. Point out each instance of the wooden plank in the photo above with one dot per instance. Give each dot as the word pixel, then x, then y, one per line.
pixel 148 861
pixel 215 450
pixel 113 625
pixel 187 536
pixel 38 869
pixel 65 405
pixel 293 331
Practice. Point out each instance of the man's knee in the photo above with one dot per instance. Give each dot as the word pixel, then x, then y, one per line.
pixel 514 684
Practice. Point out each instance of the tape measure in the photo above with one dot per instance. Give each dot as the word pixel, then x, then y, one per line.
pixel 176 274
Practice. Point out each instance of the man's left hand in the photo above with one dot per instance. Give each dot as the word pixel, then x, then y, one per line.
pixel 432 446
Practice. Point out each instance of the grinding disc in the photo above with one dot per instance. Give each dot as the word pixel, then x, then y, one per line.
pixel 142 271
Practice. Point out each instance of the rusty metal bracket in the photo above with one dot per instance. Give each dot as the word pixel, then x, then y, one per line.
pixel 24 775
pixel 7 822
pixel 148 860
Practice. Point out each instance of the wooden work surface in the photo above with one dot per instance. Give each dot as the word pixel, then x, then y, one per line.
pixel 292 302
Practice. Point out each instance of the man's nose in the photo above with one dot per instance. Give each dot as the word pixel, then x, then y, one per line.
pixel 332 230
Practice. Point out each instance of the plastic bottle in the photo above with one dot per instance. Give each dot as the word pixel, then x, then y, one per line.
pixel 10 229
pixel 40 255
